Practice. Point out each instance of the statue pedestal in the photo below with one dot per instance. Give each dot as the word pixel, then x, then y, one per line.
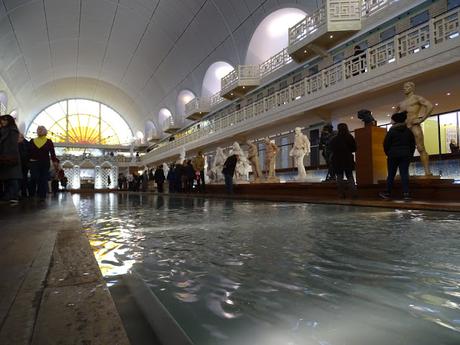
pixel 272 180
pixel 371 161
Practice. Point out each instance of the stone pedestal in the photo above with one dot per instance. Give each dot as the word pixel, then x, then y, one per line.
pixel 371 161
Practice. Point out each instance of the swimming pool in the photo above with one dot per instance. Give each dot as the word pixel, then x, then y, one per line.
pixel 236 272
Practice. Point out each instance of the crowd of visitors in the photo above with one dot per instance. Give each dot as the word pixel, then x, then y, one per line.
pixel 25 167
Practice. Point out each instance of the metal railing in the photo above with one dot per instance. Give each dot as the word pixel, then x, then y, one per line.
pixel 275 63
pixel 243 73
pixel 437 31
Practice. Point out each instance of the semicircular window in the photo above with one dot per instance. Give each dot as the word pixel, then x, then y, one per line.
pixel 81 121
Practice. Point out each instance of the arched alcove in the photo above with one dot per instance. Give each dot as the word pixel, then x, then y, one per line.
pixel 151 131
pixel 271 36
pixel 183 98
pixel 164 115
pixel 213 76
pixel 3 103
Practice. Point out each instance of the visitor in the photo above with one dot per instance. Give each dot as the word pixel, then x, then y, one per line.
pixel 399 146
pixel 228 171
pixel 454 146
pixel 190 176
pixel 357 63
pixel 342 147
pixel 178 172
pixel 145 180
pixel 171 178
pixel 25 165
pixel 10 164
pixel 198 165
pixel 64 180
pixel 41 151
pixel 109 181
pixel 130 182
pixel 159 178
pixel 327 133
pixel 54 179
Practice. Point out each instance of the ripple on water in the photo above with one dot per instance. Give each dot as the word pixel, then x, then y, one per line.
pixel 277 273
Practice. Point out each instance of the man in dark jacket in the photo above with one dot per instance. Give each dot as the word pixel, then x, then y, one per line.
pixel 399 146
pixel 159 178
pixel 228 171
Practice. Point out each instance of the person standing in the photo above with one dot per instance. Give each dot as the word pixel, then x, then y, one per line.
pixel 342 147
pixel 198 165
pixel 159 178
pixel 25 165
pixel 327 133
pixel 228 171
pixel 41 150
pixel 399 146
pixel 10 164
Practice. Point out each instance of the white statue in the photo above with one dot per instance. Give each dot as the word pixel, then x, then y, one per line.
pixel 253 157
pixel 299 150
pixel 271 150
pixel 243 167
pixel 165 169
pixel 215 173
pixel 182 156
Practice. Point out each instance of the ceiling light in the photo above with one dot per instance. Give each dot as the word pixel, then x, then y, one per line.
pixel 305 51
pixel 448 94
pixel 392 107
pixel 351 117
pixel 331 36
pixel 436 104
pixel 388 114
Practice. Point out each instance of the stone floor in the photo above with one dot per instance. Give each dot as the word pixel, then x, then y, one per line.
pixel 51 289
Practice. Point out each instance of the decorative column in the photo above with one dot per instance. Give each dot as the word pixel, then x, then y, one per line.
pixel 371 162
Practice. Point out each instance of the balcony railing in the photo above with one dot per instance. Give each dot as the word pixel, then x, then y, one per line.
pixel 170 126
pixel 275 63
pixel 240 80
pixel 373 6
pixel 316 33
pixel 437 31
pixel 197 108
pixel 216 99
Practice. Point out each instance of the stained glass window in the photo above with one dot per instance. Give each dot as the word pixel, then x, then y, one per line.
pixel 84 122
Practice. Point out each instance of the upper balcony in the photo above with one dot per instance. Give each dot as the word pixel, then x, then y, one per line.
pixel 197 108
pixel 170 127
pixel 336 21
pixel 240 81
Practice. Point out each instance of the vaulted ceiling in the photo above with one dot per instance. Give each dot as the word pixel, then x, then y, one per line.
pixel 134 55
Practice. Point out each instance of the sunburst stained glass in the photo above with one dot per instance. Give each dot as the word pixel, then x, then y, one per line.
pixel 84 122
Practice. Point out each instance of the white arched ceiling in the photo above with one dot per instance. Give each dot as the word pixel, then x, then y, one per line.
pixel 150 130
pixel 213 76
pixel 271 36
pixel 145 50
pixel 164 115
pixel 183 98
pixel 4 98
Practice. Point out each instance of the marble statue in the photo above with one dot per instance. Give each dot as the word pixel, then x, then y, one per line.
pixel 165 169
pixel 182 156
pixel 366 116
pixel 215 173
pixel 299 150
pixel 418 109
pixel 271 150
pixel 243 166
pixel 253 157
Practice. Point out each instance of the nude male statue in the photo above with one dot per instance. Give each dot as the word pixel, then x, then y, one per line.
pixel 300 148
pixel 271 149
pixel 418 109
pixel 253 157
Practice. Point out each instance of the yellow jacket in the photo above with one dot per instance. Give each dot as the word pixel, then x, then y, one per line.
pixel 198 163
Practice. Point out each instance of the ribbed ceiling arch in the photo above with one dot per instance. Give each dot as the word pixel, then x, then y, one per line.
pixel 135 55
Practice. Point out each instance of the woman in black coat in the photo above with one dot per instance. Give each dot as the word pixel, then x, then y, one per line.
pixel 159 178
pixel 10 162
pixel 342 147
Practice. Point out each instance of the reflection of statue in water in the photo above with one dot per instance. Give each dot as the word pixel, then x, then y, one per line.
pixel 215 173
pixel 271 150
pixel 418 109
pixel 327 133
pixel 253 157
pixel 243 167
pixel 299 150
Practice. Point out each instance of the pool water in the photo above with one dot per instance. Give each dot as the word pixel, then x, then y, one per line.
pixel 236 272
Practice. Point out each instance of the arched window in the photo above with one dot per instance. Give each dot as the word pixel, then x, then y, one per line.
pixel 271 36
pixel 3 103
pixel 164 115
pixel 82 121
pixel 183 98
pixel 213 76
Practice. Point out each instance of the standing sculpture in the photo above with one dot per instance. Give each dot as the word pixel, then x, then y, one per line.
pixel 271 150
pixel 243 167
pixel 182 156
pixel 215 173
pixel 299 150
pixel 253 157
pixel 418 109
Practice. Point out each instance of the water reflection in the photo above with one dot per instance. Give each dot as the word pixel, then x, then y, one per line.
pixel 236 272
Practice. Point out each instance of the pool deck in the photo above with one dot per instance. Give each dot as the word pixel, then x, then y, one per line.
pixel 52 291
